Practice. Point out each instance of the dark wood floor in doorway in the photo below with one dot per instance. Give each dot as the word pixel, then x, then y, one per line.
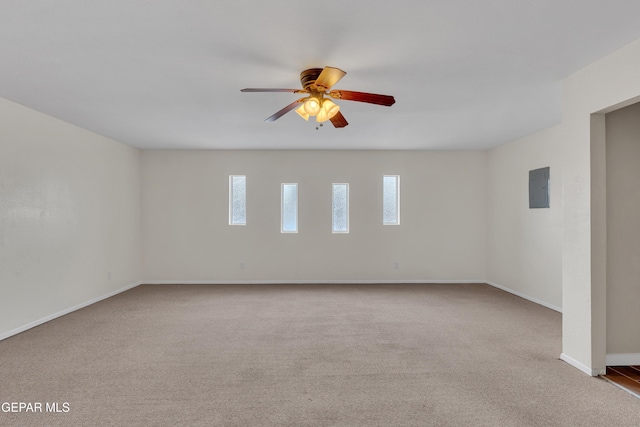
pixel 627 377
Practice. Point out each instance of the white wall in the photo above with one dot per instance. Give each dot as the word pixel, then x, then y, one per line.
pixel 69 214
pixel 623 232
pixel 186 236
pixel 524 246
pixel 609 83
pixel 606 85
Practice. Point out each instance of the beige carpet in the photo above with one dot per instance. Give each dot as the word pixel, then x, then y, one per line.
pixel 306 355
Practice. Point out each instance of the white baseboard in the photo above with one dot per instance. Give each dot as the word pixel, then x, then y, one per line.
pixel 303 282
pixel 527 297
pixel 623 359
pixel 584 368
pixel 5 335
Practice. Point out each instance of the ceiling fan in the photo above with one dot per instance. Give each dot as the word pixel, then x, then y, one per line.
pixel 317 84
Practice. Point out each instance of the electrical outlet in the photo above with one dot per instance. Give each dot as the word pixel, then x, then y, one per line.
pixel 108 275
pixel 396 265
pixel 242 266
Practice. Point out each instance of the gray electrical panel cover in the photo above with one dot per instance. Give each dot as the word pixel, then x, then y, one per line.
pixel 539 188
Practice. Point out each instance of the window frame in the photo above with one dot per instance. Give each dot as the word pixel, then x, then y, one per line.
pixel 282 200
pixel 397 201
pixel 333 230
pixel 231 221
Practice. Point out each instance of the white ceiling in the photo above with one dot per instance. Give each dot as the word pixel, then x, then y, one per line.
pixel 466 74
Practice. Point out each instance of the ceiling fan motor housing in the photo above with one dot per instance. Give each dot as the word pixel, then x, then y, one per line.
pixel 309 77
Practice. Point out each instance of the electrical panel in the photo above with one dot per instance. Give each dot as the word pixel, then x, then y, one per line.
pixel 539 188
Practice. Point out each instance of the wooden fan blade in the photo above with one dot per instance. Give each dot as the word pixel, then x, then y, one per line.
pixel 371 98
pixel 328 77
pixel 339 121
pixel 285 110
pixel 253 89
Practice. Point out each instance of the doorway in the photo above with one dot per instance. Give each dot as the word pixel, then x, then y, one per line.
pixel 623 245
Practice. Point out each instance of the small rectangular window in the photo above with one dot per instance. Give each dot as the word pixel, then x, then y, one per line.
pixel 340 204
pixel 237 200
pixel 289 210
pixel 391 199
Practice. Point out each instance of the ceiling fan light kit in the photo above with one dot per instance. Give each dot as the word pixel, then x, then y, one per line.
pixel 312 105
pixel 317 82
pixel 328 111
pixel 302 112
